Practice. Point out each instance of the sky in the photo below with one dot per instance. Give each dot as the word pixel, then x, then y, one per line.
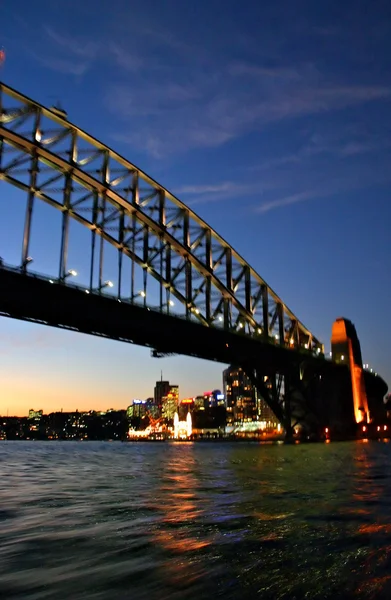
pixel 271 120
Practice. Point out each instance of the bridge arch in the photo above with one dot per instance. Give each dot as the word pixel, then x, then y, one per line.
pixel 53 160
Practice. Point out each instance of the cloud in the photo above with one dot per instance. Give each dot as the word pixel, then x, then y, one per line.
pixel 76 55
pixel 227 186
pixel 125 59
pixel 62 65
pixel 77 46
pixel 286 201
pixel 219 192
pixel 213 109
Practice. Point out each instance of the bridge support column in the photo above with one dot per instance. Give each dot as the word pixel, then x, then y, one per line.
pixel 346 350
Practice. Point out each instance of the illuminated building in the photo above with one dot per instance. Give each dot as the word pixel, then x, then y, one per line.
pixel 244 405
pixel 35 414
pixel 200 403
pixel 182 429
pixel 170 403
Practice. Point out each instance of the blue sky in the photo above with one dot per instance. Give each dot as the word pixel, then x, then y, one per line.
pixel 271 120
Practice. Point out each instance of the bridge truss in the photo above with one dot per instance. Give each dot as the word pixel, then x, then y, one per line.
pixel 54 161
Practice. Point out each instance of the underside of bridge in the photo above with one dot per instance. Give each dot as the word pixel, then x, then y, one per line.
pixel 178 286
pixel 304 391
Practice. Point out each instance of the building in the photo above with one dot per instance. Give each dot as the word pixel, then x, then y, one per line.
pixel 243 402
pixel 162 389
pixel 170 403
pixel 35 414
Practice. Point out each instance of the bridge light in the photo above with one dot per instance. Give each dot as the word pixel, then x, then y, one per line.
pixel 51 281
pixel 27 261
pixel 385 427
pixel 241 325
pixel 342 357
pixel 378 428
pixel 276 337
pixel 143 294
pixel 331 354
pixel 364 428
pixel 87 291
pixel 306 346
pixel 326 430
pixel 291 341
pixel 107 283
pixel 220 318
pixel 371 370
pixel 70 273
pixel 259 330
pixel 38 135
pixel 171 303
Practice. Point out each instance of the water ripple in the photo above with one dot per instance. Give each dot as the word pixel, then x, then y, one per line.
pixel 103 521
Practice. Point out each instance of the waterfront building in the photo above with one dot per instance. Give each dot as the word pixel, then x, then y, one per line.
pixel 183 429
pixel 244 404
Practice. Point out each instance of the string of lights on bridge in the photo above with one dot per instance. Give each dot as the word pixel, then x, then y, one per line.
pixel 141 294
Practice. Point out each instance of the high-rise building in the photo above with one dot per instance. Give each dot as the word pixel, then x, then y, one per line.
pixel 170 402
pixel 243 402
pixel 162 389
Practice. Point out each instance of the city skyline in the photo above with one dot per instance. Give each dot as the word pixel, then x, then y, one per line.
pixel 283 149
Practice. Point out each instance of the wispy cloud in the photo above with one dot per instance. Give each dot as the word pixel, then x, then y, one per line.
pixel 226 186
pixel 285 201
pixel 218 192
pixel 63 65
pixel 214 109
pixel 76 55
pixel 82 47
pixel 127 60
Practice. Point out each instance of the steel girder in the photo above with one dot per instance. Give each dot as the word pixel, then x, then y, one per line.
pixel 51 159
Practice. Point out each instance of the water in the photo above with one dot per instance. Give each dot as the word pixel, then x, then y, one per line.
pixel 182 521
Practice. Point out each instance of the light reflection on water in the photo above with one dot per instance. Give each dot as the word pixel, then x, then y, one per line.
pixel 183 521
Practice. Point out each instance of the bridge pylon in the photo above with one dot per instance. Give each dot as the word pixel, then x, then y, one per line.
pixel 345 348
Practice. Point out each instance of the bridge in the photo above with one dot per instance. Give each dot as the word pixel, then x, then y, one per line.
pixel 179 287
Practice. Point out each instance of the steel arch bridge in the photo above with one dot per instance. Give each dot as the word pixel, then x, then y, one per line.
pixel 53 160
pixel 179 287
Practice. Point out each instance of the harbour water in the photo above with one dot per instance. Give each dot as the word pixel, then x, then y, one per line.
pixel 186 520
